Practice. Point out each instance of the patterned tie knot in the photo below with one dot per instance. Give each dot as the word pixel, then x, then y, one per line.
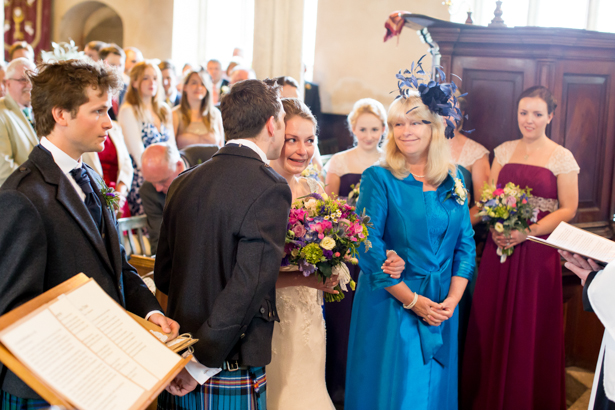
pixel 83 180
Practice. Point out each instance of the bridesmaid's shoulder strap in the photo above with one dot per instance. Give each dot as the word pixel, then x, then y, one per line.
pixel 562 162
pixel 504 151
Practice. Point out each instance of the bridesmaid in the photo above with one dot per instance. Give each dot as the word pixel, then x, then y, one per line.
pixel 402 352
pixel 514 356
pixel 367 121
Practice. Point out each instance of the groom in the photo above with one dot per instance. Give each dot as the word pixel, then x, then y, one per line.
pixel 219 253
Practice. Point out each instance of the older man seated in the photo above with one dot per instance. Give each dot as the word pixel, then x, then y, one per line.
pixel 161 163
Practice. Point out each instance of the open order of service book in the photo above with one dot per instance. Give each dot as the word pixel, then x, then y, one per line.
pixel 76 347
pixel 575 240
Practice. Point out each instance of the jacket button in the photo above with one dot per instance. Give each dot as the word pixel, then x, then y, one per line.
pixel 23 169
pixel 263 310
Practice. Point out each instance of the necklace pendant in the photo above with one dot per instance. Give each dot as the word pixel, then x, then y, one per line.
pixel 526 157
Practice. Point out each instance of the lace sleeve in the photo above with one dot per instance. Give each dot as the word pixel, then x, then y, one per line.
pixel 562 162
pixel 336 165
pixel 315 186
pixel 472 151
pixel 504 151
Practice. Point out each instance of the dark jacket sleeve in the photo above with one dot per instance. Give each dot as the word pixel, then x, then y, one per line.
pixel 24 251
pixel 153 207
pixel 259 253
pixel 587 306
pixel 138 298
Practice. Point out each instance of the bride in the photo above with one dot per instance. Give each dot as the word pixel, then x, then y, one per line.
pixel 296 374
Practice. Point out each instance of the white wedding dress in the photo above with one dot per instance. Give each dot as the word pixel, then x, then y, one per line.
pixel 296 374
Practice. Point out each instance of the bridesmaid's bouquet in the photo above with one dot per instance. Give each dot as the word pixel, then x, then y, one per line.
pixel 323 233
pixel 353 196
pixel 506 209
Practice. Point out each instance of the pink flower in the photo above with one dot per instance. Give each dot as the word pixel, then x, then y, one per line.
pixel 524 201
pixel 337 254
pixel 511 201
pixel 498 192
pixel 299 230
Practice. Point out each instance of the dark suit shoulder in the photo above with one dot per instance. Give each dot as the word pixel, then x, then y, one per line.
pixel 22 174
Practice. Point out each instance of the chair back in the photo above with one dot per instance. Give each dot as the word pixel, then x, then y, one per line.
pixel 136 243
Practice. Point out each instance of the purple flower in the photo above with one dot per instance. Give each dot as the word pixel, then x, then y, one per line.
pixel 306 268
pixel 285 261
pixel 327 254
pixel 315 195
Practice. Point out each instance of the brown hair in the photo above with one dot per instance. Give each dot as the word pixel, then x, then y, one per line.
pixel 247 108
pixel 96 45
pixel 297 108
pixel 541 92
pixel 207 103
pixel 111 49
pixel 282 81
pixel 133 95
pixel 167 65
pixel 20 45
pixel 73 77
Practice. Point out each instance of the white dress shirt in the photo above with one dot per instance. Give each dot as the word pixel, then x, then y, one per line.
pixel 252 145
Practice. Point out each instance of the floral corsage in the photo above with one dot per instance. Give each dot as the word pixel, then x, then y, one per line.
pixel 459 193
pixel 112 198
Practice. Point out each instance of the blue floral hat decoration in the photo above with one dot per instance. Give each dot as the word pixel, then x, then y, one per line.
pixel 439 97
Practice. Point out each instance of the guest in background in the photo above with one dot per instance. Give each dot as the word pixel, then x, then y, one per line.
pixel 231 65
pixel 367 122
pixel 161 163
pixel 113 164
pixel 514 354
pixel 402 352
pixel 196 120
pixel 241 73
pixel 114 57
pixel 21 49
pixel 145 120
pixel 169 82
pixel 2 79
pixel 17 134
pixel 92 49
pixel 214 68
pixel 133 56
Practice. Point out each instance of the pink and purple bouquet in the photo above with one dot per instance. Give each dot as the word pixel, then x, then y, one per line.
pixel 506 209
pixel 324 233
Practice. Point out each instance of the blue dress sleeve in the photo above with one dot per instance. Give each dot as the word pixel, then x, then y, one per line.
pixel 373 199
pixel 464 259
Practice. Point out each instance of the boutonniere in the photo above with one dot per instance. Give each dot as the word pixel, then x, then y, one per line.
pixel 112 198
pixel 224 89
pixel 459 193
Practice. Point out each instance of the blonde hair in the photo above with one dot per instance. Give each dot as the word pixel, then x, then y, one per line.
pixel 133 95
pixel 207 103
pixel 439 163
pixel 367 106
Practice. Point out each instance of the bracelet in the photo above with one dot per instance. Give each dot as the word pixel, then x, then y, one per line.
pixel 411 304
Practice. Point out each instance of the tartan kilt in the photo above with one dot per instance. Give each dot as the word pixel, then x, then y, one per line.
pixel 10 402
pixel 238 390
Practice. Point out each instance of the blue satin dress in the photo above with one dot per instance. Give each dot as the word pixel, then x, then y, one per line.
pixel 395 360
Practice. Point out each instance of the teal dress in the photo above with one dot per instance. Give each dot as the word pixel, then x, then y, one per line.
pixel 395 360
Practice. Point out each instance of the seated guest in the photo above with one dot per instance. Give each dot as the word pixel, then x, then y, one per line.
pixel 196 120
pixel 161 164
pixel 92 49
pixel 241 73
pixel 113 164
pixel 21 49
pixel 169 82
pixel 214 68
pixel 145 120
pixel 53 223
pixel 133 56
pixel 17 135
pixel 2 79
pixel 114 57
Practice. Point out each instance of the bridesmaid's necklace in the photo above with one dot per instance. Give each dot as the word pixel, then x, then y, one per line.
pixel 527 154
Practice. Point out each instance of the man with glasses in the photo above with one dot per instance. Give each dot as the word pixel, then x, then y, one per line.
pixel 17 135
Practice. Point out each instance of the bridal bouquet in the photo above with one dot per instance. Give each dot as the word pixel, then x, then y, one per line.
pixel 323 233
pixel 506 209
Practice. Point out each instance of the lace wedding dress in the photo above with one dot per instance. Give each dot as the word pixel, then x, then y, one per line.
pixel 296 374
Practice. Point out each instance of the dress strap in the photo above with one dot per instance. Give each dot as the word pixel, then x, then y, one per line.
pixel 504 151
pixel 562 162
pixel 470 153
pixel 314 185
pixel 337 165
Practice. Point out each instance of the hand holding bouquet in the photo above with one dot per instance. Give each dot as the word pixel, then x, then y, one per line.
pixel 506 209
pixel 324 233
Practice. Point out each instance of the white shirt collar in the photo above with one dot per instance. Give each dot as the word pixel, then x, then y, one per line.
pixel 252 145
pixel 61 158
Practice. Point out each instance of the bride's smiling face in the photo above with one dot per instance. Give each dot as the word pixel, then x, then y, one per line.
pixel 299 145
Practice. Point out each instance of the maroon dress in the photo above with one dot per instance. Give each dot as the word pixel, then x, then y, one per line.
pixel 514 352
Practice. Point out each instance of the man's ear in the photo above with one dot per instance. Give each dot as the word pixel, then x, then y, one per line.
pixel 60 116
pixel 270 125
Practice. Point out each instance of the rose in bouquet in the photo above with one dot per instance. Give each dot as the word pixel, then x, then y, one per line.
pixel 506 209
pixel 324 233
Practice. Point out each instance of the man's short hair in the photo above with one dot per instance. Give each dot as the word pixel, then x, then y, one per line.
pixel 96 45
pixel 73 77
pixel 111 49
pixel 20 45
pixel 167 65
pixel 282 81
pixel 16 63
pixel 247 107
pixel 213 60
pixel 171 154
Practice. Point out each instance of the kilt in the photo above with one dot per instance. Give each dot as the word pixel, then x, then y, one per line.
pixel 10 402
pixel 238 390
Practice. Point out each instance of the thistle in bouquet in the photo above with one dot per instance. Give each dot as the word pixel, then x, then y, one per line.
pixel 323 234
pixel 505 210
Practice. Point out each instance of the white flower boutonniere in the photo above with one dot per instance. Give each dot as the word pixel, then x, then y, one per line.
pixel 459 193
pixel 224 89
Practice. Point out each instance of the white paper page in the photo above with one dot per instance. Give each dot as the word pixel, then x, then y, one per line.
pixel 583 242
pixel 121 329
pixel 44 345
pixel 99 344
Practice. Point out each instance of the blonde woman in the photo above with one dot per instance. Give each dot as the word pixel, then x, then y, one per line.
pixel 145 119
pixel 195 119
pixel 403 335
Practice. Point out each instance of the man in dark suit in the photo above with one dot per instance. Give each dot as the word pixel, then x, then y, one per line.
pixel 221 244
pixel 55 223
pixel 161 163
